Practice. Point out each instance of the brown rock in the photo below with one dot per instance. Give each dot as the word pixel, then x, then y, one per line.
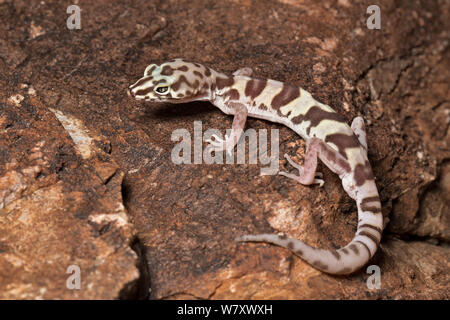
pixel 59 212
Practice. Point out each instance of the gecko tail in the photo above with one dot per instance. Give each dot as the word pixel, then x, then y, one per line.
pixel 341 261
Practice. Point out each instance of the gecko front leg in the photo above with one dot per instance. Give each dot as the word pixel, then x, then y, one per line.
pixel 237 129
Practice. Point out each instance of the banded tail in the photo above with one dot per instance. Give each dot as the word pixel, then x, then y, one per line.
pixel 346 259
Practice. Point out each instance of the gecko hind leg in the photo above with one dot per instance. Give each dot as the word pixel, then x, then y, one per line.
pixel 359 129
pixel 247 72
pixel 317 148
pixel 300 169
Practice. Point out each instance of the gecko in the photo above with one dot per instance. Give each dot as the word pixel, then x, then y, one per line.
pixel 342 148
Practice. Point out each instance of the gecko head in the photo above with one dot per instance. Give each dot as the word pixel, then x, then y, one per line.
pixel 176 81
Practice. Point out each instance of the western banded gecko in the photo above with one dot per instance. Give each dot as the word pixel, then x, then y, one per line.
pixel 341 148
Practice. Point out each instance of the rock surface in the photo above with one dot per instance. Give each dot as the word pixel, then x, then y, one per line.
pixel 86 176
pixel 60 208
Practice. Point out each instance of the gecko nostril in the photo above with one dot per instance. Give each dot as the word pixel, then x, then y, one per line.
pixel 130 92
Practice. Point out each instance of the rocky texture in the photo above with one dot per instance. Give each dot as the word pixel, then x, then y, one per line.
pixel 60 206
pixel 80 161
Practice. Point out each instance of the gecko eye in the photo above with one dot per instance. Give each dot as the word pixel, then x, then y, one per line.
pixel 162 90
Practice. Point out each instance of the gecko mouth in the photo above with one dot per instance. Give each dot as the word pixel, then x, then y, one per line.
pixel 130 93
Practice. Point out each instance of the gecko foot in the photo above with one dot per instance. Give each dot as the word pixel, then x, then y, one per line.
pixel 318 175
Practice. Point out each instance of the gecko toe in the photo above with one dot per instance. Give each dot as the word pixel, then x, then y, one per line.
pixel 320 182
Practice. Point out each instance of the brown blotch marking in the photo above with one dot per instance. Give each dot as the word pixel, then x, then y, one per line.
pixel 320 265
pixel 188 92
pixel 370 236
pixel 371 227
pixel 262 106
pixel 233 94
pixel 180 95
pixel 197 65
pixel 344 250
pixel 143 92
pixel 329 153
pixel 374 208
pixel 196 84
pixel 254 87
pixel 345 165
pixel 182 79
pixel 198 74
pixel 332 156
pixel 155 82
pixel 365 246
pixel 336 254
pixel 224 82
pixel 183 68
pixel 287 94
pixel 354 248
pixel 207 72
pixel 150 71
pixel 370 199
pixel 282 237
pixel 299 252
pixel 290 245
pixel 362 173
pixel 367 208
pixel 343 141
pixel 315 115
pixel 167 71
